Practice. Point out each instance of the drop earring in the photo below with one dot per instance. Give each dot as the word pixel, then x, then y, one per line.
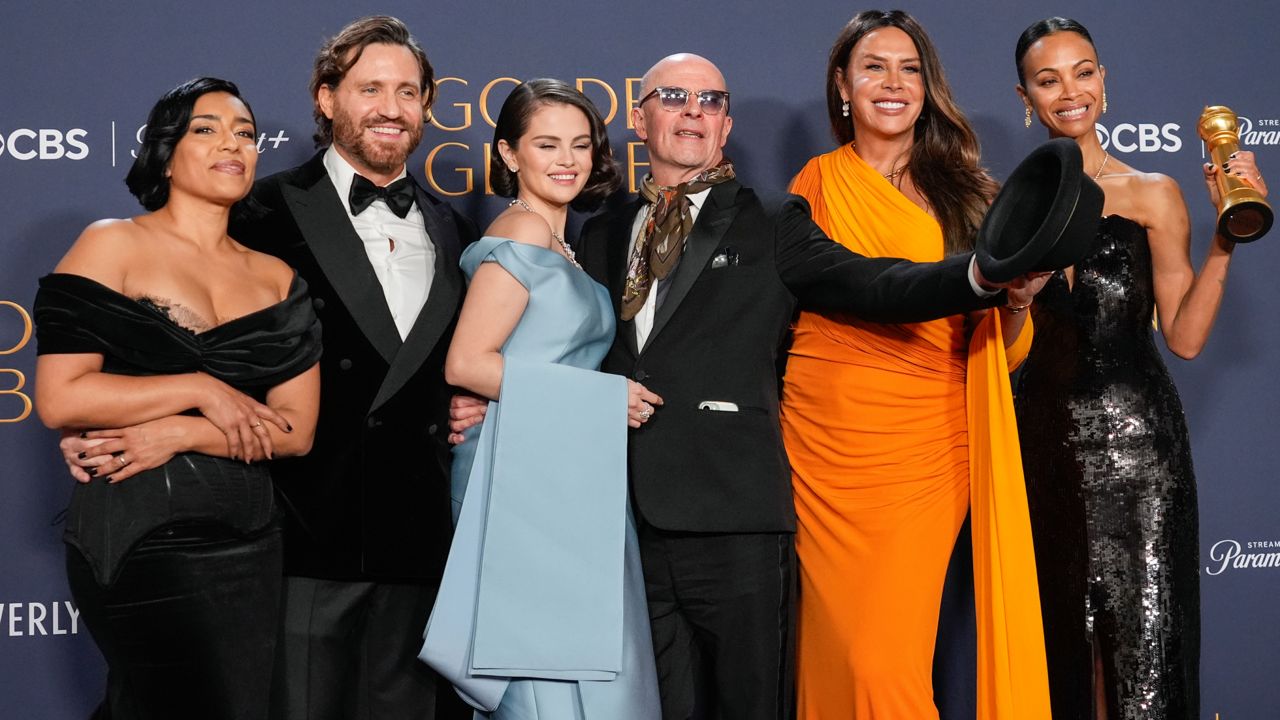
pixel 1026 122
pixel 844 109
pixel 1104 102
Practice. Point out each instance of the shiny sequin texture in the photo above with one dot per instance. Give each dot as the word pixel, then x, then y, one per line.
pixel 1111 492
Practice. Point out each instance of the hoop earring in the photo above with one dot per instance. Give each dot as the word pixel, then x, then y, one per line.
pixel 844 109
pixel 1026 122
pixel 1104 102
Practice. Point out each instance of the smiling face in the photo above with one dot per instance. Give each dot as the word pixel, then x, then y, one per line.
pixel 1063 84
pixel 217 155
pixel 376 111
pixel 681 144
pixel 883 84
pixel 553 156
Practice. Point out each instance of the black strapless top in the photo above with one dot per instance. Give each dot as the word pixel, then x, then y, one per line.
pixel 253 353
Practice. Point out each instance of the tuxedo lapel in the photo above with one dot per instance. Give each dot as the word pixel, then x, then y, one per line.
pixel 326 228
pixel 618 246
pixel 438 310
pixel 708 230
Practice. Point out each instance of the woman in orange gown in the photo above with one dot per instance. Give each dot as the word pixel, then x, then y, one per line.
pixel 894 431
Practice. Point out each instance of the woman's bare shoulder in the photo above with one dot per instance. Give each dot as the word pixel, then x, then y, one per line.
pixel 521 226
pixel 105 250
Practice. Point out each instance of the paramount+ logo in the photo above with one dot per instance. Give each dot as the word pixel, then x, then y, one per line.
pixel 44 144
pixel 1230 555
pixel 1263 131
pixel 1140 137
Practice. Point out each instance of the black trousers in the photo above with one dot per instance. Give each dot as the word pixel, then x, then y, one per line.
pixel 350 652
pixel 189 626
pixel 722 614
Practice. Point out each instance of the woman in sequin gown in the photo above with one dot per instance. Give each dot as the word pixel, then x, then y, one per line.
pixel 1104 441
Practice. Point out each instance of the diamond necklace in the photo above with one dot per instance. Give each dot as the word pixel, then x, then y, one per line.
pixel 568 251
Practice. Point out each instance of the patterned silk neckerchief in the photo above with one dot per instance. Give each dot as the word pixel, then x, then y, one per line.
pixel 666 227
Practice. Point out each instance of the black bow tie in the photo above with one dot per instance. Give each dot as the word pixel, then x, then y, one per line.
pixel 398 195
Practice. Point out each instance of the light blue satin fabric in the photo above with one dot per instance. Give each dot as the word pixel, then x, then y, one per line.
pixel 541 612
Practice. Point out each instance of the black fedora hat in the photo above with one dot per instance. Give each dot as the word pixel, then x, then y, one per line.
pixel 1044 218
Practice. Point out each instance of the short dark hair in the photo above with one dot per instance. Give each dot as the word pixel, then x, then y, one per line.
pixel 513 122
pixel 342 51
pixel 166 125
pixel 1043 28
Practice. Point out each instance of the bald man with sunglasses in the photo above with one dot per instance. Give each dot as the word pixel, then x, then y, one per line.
pixel 707 275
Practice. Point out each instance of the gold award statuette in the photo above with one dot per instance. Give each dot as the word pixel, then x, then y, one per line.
pixel 1243 214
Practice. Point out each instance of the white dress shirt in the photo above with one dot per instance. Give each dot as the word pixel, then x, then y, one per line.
pixel 644 318
pixel 401 253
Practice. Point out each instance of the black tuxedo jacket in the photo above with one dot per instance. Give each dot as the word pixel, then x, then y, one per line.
pixel 371 500
pixel 719 335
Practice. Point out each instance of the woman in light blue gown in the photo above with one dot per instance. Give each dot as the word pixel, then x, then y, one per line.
pixel 541 612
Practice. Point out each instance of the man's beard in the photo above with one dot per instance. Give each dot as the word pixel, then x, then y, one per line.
pixel 380 157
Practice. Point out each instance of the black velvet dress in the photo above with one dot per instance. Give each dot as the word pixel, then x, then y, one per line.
pixel 177 570
pixel 1111 491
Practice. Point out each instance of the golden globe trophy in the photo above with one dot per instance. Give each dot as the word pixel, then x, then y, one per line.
pixel 1243 214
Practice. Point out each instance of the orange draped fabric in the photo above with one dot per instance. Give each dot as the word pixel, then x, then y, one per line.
pixel 892 432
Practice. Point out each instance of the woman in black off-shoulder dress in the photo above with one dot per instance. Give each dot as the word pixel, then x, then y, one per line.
pixel 1105 451
pixel 185 359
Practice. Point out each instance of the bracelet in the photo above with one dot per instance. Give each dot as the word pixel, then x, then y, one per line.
pixel 1015 309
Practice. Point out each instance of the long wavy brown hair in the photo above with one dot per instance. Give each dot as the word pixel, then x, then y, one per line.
pixel 944 160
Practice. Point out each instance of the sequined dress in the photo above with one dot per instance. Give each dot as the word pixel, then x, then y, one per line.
pixel 1111 491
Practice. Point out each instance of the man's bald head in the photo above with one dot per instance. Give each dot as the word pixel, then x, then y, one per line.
pixel 680 61
pixel 681 142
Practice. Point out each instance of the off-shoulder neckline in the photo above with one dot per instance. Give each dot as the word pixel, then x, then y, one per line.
pixel 295 286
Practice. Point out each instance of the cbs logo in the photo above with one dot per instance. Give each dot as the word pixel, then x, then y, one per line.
pixel 1140 137
pixel 45 144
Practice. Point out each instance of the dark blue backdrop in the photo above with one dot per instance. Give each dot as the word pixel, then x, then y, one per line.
pixel 79 79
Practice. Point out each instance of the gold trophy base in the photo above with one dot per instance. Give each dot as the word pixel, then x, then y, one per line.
pixel 1244 217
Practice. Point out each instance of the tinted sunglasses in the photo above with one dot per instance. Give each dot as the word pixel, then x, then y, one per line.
pixel 674 99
